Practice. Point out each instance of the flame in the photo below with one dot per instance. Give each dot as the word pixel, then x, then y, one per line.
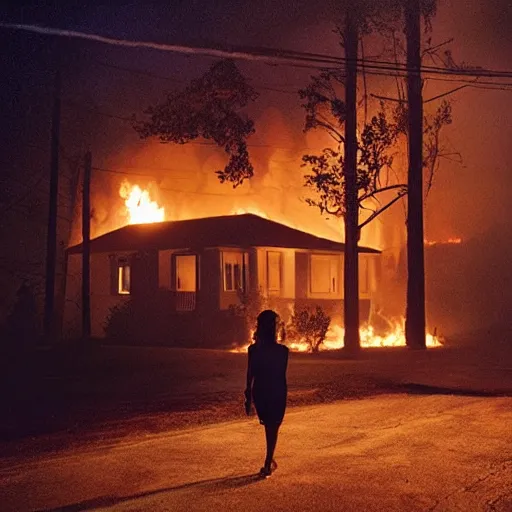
pixel 253 210
pixel 139 206
pixel 394 337
pixel 454 240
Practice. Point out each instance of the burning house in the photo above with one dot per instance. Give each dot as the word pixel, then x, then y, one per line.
pixel 182 282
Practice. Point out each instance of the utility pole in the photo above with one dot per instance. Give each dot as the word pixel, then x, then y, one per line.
pixel 415 311
pixel 51 237
pixel 351 264
pixel 86 249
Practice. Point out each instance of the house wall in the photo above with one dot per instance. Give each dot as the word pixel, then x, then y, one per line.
pixel 210 285
pixel 104 291
pixel 211 319
pixel 102 297
pixel 164 269
pixel 332 303
pixel 144 279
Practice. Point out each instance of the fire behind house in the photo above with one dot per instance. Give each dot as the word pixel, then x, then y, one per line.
pixel 181 281
pixel 197 282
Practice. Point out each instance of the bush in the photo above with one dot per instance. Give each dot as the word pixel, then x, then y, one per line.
pixel 249 307
pixel 153 320
pixel 143 320
pixel 309 326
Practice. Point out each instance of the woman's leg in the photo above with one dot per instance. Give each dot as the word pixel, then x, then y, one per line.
pixel 271 437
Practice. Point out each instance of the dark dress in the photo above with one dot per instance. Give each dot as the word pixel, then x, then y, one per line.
pixel 267 365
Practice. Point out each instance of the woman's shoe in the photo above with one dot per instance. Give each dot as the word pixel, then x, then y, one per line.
pixel 267 471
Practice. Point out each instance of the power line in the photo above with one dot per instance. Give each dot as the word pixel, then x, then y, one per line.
pixel 267 55
pixel 295 91
pixel 124 173
pixel 113 171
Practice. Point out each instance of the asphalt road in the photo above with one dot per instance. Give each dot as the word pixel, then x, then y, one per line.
pixel 388 453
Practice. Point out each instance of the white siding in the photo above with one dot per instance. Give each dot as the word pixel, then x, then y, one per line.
pixel 164 269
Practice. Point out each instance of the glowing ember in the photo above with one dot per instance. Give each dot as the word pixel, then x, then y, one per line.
pixel 455 241
pixel 139 206
pixel 395 337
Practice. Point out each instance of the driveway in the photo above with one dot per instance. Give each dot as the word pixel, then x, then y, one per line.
pixel 388 453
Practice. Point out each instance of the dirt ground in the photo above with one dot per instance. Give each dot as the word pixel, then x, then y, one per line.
pixel 70 398
pixel 395 453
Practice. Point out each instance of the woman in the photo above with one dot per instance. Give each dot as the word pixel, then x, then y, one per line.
pixel 266 382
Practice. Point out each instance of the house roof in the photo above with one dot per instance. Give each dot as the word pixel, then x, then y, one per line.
pixel 246 230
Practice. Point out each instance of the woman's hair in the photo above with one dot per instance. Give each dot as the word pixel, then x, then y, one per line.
pixel 266 327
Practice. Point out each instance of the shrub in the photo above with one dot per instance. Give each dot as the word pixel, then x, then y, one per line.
pixel 153 320
pixel 310 326
pixel 249 307
pixel 141 319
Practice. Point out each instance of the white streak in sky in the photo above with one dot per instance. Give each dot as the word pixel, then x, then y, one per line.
pixel 211 52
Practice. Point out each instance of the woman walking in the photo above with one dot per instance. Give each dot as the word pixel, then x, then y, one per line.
pixel 266 382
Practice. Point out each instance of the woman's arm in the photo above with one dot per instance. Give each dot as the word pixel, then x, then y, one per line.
pixel 248 386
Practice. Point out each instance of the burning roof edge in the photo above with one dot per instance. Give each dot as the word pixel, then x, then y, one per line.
pixel 211 232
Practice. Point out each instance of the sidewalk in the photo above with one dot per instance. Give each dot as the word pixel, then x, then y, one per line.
pixel 388 453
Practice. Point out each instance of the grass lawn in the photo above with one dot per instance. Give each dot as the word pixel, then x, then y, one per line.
pixel 60 397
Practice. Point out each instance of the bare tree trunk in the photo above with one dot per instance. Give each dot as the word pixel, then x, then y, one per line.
pixel 51 236
pixel 351 272
pixel 415 310
pixel 86 251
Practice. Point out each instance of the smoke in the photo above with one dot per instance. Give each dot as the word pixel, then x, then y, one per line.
pixel 466 286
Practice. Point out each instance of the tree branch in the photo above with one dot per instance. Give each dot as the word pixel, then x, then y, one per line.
pixel 378 212
pixel 433 49
pixel 384 189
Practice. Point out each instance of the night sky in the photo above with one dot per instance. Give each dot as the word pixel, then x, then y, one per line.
pixel 469 200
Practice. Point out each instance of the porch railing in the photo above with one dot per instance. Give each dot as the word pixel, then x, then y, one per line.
pixel 185 301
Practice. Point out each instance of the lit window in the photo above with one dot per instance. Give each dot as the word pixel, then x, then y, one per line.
pixel 186 273
pixel 123 278
pixel 324 274
pixel 233 264
pixel 274 272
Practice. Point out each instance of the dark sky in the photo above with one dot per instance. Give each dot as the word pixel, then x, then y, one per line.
pixel 480 30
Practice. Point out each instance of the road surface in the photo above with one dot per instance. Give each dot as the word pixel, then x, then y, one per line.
pixel 388 453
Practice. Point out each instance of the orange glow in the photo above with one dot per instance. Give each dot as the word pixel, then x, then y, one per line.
pixel 139 206
pixel 395 337
pixel 454 240
pixel 254 211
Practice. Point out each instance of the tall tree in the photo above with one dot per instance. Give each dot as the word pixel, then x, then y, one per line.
pixel 351 218
pixel 424 147
pixel 415 324
pixel 211 107
pixel 358 19
pixel 329 174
